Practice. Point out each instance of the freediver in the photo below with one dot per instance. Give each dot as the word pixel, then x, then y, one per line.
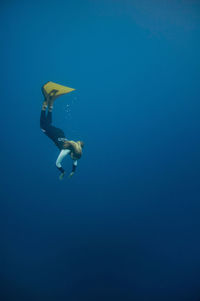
pixel 74 148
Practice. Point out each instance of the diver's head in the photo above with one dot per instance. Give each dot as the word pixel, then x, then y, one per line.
pixel 76 152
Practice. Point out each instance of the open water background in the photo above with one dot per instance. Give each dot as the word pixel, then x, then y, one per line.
pixel 127 226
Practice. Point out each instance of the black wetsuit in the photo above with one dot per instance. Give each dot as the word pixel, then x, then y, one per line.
pixel 55 134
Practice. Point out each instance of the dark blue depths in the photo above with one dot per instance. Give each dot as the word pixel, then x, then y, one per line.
pixel 126 227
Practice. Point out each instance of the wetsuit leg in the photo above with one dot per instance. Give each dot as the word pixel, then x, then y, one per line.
pixel 43 120
pixel 49 117
pixel 51 131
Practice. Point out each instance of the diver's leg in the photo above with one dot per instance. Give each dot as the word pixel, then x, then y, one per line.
pixel 45 121
pixel 49 114
pixel 43 115
pixel 52 132
pixel 50 103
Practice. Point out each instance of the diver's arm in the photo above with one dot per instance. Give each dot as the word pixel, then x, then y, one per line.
pixel 63 153
pixel 73 168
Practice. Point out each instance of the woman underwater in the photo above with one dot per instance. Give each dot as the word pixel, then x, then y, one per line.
pixel 74 148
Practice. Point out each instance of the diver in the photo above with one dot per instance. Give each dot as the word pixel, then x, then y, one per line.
pixel 74 148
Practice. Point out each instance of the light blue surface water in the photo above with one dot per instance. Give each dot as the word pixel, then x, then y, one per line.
pixel 126 226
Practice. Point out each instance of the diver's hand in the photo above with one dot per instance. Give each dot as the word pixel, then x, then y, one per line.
pixel 71 174
pixel 62 176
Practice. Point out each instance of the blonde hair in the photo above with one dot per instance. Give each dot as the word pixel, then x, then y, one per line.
pixel 75 148
pixel 81 143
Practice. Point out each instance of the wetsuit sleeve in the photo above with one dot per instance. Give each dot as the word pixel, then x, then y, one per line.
pixel 62 155
pixel 74 166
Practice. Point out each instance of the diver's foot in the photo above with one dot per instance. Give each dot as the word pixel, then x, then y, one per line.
pixel 51 98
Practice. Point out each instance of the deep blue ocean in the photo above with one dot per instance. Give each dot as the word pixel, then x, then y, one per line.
pixel 127 226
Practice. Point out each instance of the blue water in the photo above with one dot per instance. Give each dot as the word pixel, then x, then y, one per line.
pixel 126 226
